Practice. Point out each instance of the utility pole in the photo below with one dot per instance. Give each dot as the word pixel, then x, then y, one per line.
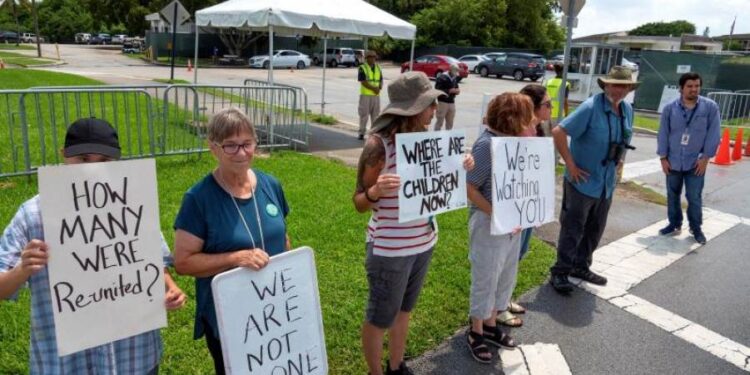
pixel 36 29
pixel 18 25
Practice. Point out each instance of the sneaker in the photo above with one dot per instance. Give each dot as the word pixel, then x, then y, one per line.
pixel 699 236
pixel 585 274
pixel 402 369
pixel 561 283
pixel 670 230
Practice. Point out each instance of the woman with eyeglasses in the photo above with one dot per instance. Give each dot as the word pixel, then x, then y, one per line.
pixel 233 217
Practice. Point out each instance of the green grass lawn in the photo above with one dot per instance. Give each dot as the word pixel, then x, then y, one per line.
pixel 316 202
pixel 22 60
pixel 652 123
pixel 11 47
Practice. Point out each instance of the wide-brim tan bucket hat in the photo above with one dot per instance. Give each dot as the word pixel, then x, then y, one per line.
pixel 618 75
pixel 410 94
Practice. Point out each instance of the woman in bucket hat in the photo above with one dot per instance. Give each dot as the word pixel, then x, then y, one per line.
pixel 398 254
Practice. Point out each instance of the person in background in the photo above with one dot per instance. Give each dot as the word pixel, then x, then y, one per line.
pixel 447 82
pixel 370 77
pixel 689 133
pixel 23 259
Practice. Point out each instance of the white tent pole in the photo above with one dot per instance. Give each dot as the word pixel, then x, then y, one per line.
pixel 195 60
pixel 411 56
pixel 270 54
pixel 365 44
pixel 325 62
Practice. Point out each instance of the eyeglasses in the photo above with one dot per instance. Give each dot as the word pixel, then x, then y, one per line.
pixel 232 148
pixel 547 104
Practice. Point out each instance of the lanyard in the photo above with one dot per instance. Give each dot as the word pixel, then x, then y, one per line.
pixel 689 119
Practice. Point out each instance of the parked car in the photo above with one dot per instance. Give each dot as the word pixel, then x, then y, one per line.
pixel 119 39
pixel 432 65
pixel 336 57
pixel 629 64
pixel 30 38
pixel 493 55
pixel 359 56
pixel 555 60
pixel 516 64
pixel 472 61
pixel 82 38
pixel 281 59
pixel 8 37
pixel 100 39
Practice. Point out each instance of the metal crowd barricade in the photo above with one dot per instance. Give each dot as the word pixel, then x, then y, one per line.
pixel 734 107
pixel 272 110
pixel 151 120
pixel 301 104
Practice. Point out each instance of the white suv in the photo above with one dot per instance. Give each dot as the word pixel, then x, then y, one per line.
pixel 336 57
pixel 30 38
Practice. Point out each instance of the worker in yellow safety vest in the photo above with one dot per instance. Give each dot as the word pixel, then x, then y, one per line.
pixel 553 90
pixel 370 78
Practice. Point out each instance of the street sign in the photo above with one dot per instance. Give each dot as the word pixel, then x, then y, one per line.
pixel 565 5
pixel 168 13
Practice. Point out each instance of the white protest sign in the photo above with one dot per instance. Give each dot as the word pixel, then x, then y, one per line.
pixel 270 320
pixel 433 179
pixel 523 183
pixel 668 95
pixel 101 222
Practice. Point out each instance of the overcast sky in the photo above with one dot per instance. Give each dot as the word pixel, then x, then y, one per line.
pixel 601 16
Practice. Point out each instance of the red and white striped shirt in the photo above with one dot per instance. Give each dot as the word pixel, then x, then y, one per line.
pixel 391 238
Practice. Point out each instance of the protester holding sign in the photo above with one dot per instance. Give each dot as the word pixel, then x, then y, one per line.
pixel 233 217
pixel 24 256
pixel 398 254
pixel 494 258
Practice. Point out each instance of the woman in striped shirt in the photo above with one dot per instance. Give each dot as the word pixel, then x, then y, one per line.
pixel 398 254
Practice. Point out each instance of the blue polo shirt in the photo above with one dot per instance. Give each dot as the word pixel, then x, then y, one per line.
pixel 703 126
pixel 591 127
pixel 208 213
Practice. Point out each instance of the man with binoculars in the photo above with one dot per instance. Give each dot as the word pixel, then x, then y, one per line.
pixel 600 130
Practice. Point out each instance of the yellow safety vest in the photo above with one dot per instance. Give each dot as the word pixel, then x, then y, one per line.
pixel 553 88
pixel 373 78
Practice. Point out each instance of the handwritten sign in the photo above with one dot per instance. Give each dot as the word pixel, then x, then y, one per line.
pixel 523 183
pixel 270 320
pixel 433 179
pixel 101 222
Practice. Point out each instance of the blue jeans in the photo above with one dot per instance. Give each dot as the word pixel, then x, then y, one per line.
pixel 525 240
pixel 693 193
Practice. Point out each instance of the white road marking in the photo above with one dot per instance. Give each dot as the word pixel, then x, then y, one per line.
pixel 640 168
pixel 635 257
pixel 537 359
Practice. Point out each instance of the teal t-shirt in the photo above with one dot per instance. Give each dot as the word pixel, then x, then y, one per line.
pixel 208 212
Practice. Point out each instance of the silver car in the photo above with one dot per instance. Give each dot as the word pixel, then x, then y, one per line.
pixel 283 58
pixel 472 61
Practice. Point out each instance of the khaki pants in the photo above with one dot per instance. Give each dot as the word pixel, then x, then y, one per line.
pixel 445 112
pixel 369 107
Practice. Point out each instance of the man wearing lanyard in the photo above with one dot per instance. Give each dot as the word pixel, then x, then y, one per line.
pixel 689 133
pixel 600 130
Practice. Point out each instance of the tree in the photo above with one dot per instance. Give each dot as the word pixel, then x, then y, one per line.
pixel 63 19
pixel 237 40
pixel 674 28
pixel 499 23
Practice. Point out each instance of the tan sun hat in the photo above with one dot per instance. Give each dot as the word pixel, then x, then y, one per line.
pixel 409 94
pixel 618 75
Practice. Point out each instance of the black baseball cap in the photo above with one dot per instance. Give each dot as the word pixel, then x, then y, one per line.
pixel 91 136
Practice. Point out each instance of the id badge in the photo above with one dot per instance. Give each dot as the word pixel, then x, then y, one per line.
pixel 685 139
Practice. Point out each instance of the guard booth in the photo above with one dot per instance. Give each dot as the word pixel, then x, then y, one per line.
pixel 589 61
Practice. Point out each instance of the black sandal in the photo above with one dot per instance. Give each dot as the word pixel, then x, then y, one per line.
pixel 496 336
pixel 478 348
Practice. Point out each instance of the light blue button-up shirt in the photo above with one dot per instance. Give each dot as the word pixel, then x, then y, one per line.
pixel 592 127
pixel 704 133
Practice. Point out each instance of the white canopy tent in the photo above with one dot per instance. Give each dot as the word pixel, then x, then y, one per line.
pixel 319 18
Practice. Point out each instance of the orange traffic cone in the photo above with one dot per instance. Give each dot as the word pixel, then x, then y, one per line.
pixel 2 64
pixel 737 150
pixel 723 157
pixel 190 66
pixel 747 149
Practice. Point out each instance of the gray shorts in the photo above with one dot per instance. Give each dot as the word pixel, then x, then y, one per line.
pixel 395 284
